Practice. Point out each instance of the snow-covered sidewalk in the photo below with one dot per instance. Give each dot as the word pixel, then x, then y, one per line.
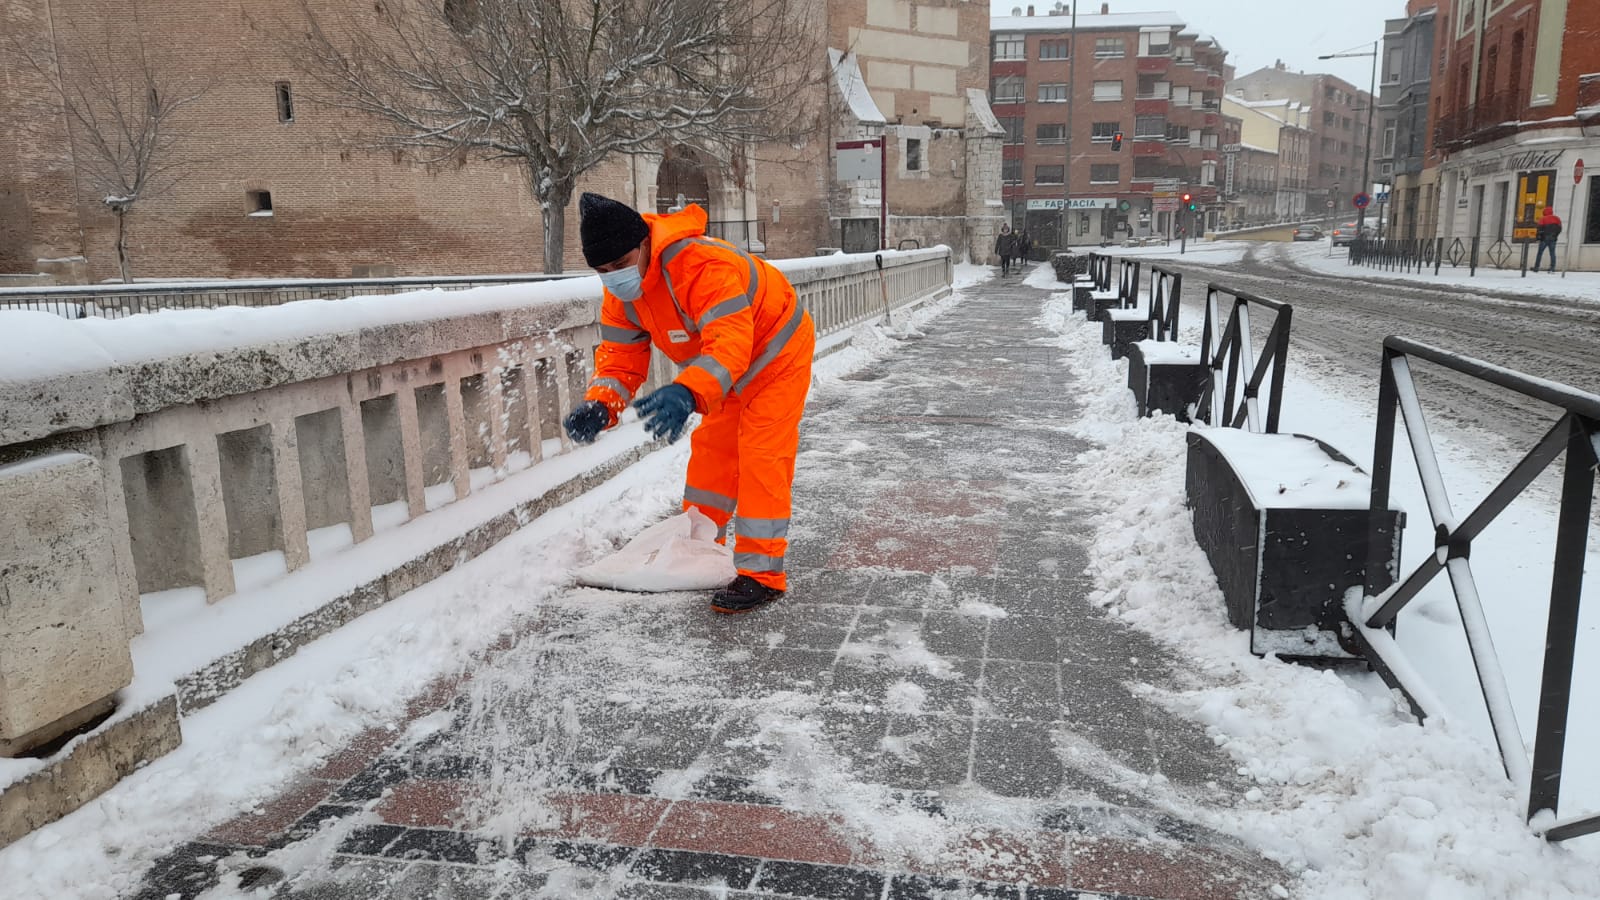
pixel 1510 282
pixel 1003 669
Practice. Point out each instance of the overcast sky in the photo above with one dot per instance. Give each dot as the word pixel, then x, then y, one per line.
pixel 1257 32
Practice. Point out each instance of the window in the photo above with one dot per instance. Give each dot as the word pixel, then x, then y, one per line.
pixel 913 154
pixel 1515 90
pixel 1050 133
pixel 1010 46
pixel 1054 50
pixel 1013 127
pixel 1591 221
pixel 1149 167
pixel 1011 171
pixel 1008 89
pixel 1105 174
pixel 1177 134
pixel 1344 122
pixel 1328 118
pixel 1104 132
pixel 1392 66
pixel 1048 174
pixel 1110 48
pixel 260 202
pixel 1180 96
pixel 1108 90
pixel 285 102
pixel 1151 127
pixel 1052 93
pixel 1157 43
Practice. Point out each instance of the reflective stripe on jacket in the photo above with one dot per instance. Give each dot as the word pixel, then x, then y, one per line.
pixel 717 311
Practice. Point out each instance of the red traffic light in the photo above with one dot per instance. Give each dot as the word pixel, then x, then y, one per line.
pixel 1187 197
pixel 1116 141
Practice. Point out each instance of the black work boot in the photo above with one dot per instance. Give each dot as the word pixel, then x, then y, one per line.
pixel 743 595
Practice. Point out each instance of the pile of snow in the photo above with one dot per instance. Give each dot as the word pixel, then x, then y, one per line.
pixel 1351 793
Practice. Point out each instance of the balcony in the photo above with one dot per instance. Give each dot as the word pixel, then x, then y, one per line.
pixel 1154 65
pixel 1494 118
pixel 1151 104
pixel 1149 145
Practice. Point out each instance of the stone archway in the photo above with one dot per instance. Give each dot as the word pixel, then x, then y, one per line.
pixel 682 179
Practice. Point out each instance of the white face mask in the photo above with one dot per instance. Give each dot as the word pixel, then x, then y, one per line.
pixel 625 283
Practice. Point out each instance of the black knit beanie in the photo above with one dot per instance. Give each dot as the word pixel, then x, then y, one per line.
pixel 608 229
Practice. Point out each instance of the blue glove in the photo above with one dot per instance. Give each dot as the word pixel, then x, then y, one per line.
pixel 666 411
pixel 586 421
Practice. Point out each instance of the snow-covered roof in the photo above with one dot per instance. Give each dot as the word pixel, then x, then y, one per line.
pixel 978 102
pixel 1087 22
pixel 1245 146
pixel 853 88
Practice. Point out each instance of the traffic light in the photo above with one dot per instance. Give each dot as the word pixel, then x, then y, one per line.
pixel 1116 141
pixel 1189 204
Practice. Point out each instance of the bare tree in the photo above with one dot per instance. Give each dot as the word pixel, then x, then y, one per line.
pixel 122 105
pixel 558 86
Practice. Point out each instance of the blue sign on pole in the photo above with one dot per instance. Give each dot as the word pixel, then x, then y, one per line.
pixel 1383 196
pixel 1362 200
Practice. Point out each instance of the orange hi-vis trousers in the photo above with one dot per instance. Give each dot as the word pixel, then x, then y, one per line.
pixel 742 460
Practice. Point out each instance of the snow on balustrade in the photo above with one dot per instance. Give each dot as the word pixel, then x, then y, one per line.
pixel 232 446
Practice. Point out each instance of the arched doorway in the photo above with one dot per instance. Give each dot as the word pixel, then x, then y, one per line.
pixel 682 180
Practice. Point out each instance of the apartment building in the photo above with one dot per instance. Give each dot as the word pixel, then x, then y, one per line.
pixel 1515 109
pixel 1405 130
pixel 1250 177
pixel 1338 123
pixel 1064 89
pixel 1279 135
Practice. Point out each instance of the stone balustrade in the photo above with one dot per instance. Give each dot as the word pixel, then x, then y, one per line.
pixel 157 452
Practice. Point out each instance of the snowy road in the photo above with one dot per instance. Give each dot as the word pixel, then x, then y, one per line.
pixel 1342 321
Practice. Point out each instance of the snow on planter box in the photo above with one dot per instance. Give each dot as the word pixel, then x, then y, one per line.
pixel 1122 327
pixel 1165 377
pixel 1284 520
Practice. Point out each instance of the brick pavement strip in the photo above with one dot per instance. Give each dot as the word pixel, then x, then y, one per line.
pixel 938 627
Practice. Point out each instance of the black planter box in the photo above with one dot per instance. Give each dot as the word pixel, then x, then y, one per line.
pixel 1166 387
pixel 1100 301
pixel 1284 569
pixel 1119 333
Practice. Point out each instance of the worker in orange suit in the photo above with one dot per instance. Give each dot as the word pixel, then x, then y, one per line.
pixel 735 326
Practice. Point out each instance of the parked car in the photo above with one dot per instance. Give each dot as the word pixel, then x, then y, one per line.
pixel 1308 233
pixel 1345 235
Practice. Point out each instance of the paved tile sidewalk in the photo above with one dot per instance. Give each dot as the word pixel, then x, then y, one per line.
pixel 935 710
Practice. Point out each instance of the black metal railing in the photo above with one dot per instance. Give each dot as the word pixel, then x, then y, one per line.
pixel 1398 254
pixel 1235 373
pixel 1128 284
pixel 1166 286
pixel 1574 437
pixel 112 301
pixel 1100 270
pixel 1494 117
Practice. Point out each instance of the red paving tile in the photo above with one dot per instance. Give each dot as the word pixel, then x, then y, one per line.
pixel 433 697
pixel 1156 870
pixel 766 831
pixel 355 756
pixel 259 827
pixel 1040 858
pixel 424 803
pixel 607 818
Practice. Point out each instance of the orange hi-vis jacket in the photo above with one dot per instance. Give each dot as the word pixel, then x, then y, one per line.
pixel 745 343
pixel 709 306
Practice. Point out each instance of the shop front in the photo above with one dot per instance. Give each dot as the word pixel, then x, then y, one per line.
pixel 1089 220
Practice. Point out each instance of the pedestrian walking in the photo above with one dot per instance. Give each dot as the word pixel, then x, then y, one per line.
pixel 1024 246
pixel 1549 229
pixel 1005 246
pixel 734 324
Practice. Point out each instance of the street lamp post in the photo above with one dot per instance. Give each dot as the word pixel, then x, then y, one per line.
pixel 1372 104
pixel 1066 168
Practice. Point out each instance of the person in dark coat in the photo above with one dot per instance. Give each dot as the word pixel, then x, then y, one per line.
pixel 1005 246
pixel 1024 246
pixel 1549 230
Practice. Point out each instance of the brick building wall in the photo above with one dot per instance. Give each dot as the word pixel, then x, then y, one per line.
pixel 38 194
